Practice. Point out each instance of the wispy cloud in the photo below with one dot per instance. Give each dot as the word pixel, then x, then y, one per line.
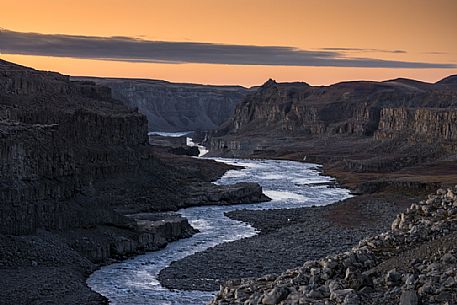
pixel 140 50
pixel 360 50
pixel 436 53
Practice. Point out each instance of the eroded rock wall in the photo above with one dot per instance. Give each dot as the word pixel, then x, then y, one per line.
pixel 176 107
pixel 56 139
pixel 392 110
pixel 429 124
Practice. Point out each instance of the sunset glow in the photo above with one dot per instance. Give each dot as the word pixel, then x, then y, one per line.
pixel 399 31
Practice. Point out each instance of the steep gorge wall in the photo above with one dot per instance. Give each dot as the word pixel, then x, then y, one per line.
pixel 429 124
pixel 371 110
pixel 176 107
pixel 56 139
pixel 300 109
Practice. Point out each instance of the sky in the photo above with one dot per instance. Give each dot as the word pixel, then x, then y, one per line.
pixel 234 42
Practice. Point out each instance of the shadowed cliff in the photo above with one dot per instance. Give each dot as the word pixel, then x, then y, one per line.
pixel 76 173
pixel 173 106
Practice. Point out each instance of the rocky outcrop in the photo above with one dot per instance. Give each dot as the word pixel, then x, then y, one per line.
pixel 359 126
pixel 430 124
pixel 56 141
pixel 152 232
pixel 351 108
pixel 173 106
pixel 414 263
pixel 225 194
pixel 67 153
pixel 76 170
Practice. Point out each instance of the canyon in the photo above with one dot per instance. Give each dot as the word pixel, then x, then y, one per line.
pixel 368 134
pixel 77 175
pixel 81 187
pixel 176 107
pixel 391 142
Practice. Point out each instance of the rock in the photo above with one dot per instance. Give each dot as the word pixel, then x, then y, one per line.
pixel 451 195
pixel 450 282
pixel 209 193
pixel 352 299
pixel 176 107
pixel 443 296
pixel 334 285
pixel 340 294
pixel 409 297
pixel 275 296
pixel 426 289
pixel 315 294
pixel 393 277
pixel 448 258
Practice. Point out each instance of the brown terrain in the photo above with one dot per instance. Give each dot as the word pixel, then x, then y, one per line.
pixel 372 136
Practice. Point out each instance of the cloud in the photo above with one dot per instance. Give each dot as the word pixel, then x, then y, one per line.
pixel 140 50
pixel 359 50
pixel 436 53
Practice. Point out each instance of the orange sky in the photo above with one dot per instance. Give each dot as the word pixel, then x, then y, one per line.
pixel 419 27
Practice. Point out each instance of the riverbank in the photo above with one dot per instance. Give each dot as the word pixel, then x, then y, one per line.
pixel 414 262
pixel 287 238
pixel 290 185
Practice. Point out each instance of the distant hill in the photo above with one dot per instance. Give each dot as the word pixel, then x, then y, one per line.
pixel 450 80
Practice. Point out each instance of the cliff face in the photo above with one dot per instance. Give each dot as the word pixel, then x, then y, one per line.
pixel 73 157
pixel 56 139
pixel 176 107
pixel 79 183
pixel 344 108
pixel 361 110
pixel 429 124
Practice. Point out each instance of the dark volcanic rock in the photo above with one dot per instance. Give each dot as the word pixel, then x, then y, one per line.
pixel 225 194
pixel 74 162
pixel 185 151
pixel 412 263
pixel 287 238
pixel 378 133
pixel 450 81
pixel 348 108
pixel 176 107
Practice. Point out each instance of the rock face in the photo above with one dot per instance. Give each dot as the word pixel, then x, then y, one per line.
pixel 366 126
pixel 176 107
pixel 232 194
pixel 55 142
pixel 414 263
pixel 351 108
pixel 59 142
pixel 76 170
pixel 432 125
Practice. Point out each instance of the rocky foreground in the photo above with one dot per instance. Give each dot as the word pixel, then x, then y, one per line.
pixel 413 263
pixel 286 239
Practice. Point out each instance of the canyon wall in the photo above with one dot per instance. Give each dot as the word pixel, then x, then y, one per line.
pixel 428 124
pixel 398 109
pixel 73 157
pixel 56 139
pixel 173 106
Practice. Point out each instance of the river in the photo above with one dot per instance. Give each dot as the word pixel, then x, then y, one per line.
pixel 290 184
